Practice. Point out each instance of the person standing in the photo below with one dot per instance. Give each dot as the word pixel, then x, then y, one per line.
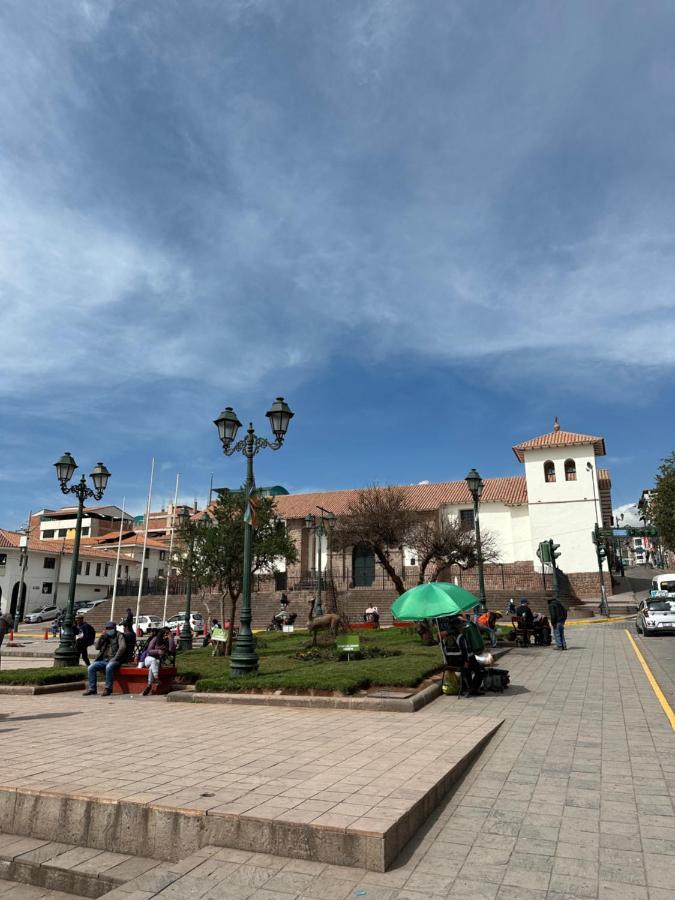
pixel 128 620
pixel 6 624
pixel 84 638
pixel 558 616
pixel 112 649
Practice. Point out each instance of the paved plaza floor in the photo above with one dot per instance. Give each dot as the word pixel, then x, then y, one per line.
pixel 573 796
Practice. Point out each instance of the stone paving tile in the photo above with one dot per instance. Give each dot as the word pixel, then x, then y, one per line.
pixel 558 806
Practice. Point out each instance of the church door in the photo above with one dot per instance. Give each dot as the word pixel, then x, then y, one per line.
pixel 363 566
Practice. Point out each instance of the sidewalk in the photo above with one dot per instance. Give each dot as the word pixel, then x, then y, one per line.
pixel 572 798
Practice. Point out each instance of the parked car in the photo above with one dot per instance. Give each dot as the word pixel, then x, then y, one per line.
pixel 144 623
pixel 87 605
pixel 46 614
pixel 196 621
pixel 663 585
pixel 655 615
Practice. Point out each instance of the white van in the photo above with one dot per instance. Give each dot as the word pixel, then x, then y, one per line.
pixel 663 585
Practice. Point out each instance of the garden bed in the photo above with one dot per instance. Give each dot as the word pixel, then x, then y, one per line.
pixel 289 666
pixel 42 676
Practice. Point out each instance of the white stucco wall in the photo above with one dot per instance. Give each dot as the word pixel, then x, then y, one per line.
pixel 563 510
pixel 89 587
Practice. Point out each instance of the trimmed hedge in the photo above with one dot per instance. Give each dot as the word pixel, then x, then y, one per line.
pixel 44 675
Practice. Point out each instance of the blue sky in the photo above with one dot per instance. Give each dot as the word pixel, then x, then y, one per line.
pixel 431 226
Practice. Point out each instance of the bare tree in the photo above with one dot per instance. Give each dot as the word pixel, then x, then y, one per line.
pixel 380 518
pixel 441 544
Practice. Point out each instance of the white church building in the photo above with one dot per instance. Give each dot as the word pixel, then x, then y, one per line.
pixel 560 495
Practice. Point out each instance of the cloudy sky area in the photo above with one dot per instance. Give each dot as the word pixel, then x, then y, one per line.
pixel 431 226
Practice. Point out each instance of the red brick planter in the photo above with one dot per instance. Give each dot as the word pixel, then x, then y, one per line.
pixel 404 624
pixel 132 680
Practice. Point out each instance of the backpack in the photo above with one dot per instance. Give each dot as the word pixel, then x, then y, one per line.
pixel 496 680
pixel 474 638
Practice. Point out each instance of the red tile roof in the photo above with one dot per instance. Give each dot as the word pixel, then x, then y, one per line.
pixel 10 539
pixel 422 497
pixel 557 438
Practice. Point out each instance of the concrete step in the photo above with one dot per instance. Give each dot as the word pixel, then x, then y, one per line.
pixel 68 868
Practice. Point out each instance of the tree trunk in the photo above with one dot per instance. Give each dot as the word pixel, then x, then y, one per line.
pixel 424 563
pixel 389 569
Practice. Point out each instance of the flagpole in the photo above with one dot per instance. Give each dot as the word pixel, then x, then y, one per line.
pixel 117 561
pixel 173 525
pixel 145 542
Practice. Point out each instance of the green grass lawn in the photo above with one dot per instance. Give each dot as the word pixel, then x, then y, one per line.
pixel 282 665
pixel 43 675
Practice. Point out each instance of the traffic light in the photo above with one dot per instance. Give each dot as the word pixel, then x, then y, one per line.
pixel 554 550
pixel 544 551
pixel 602 551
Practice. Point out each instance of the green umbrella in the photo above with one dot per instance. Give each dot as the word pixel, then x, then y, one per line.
pixel 432 601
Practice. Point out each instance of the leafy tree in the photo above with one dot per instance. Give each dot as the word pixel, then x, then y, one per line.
pixel 218 555
pixel 380 518
pixel 444 544
pixel 661 510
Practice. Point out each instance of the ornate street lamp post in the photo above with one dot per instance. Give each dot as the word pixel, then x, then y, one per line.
pixel 244 659
pixel 320 525
pixel 66 654
pixel 202 521
pixel 475 485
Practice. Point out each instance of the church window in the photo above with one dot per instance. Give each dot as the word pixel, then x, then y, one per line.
pixel 570 470
pixel 549 472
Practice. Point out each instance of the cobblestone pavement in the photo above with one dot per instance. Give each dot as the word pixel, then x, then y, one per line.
pixel 573 798
pixel 12 890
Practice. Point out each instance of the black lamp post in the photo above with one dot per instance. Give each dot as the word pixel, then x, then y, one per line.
pixel 320 525
pixel 244 660
pixel 475 485
pixel 66 653
pixel 599 545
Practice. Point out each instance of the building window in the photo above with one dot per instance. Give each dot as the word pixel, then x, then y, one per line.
pixel 98 568
pixel 160 573
pixel 63 532
pixel 48 533
pixel 3 559
pixel 549 472
pixel 88 569
pixel 126 571
pixel 147 554
pixel 466 519
pixel 570 470
pixel 105 569
pixel 46 587
pixel 85 531
pixel 50 562
pixel 162 554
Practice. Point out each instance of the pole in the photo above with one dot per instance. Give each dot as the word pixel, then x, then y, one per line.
pixel 66 654
pixel 479 555
pixel 318 532
pixel 186 631
pixel 604 609
pixel 117 562
pixel 244 659
pixel 145 540
pixel 173 527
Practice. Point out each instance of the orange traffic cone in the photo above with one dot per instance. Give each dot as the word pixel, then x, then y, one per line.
pixel 138 631
pixel 46 634
pixel 11 634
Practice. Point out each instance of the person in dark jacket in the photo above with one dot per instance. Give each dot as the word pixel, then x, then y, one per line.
pixel 128 619
pixel 111 648
pixel 84 638
pixel 460 655
pixel 558 616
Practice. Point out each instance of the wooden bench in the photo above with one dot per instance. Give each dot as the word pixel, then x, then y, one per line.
pixel 132 680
